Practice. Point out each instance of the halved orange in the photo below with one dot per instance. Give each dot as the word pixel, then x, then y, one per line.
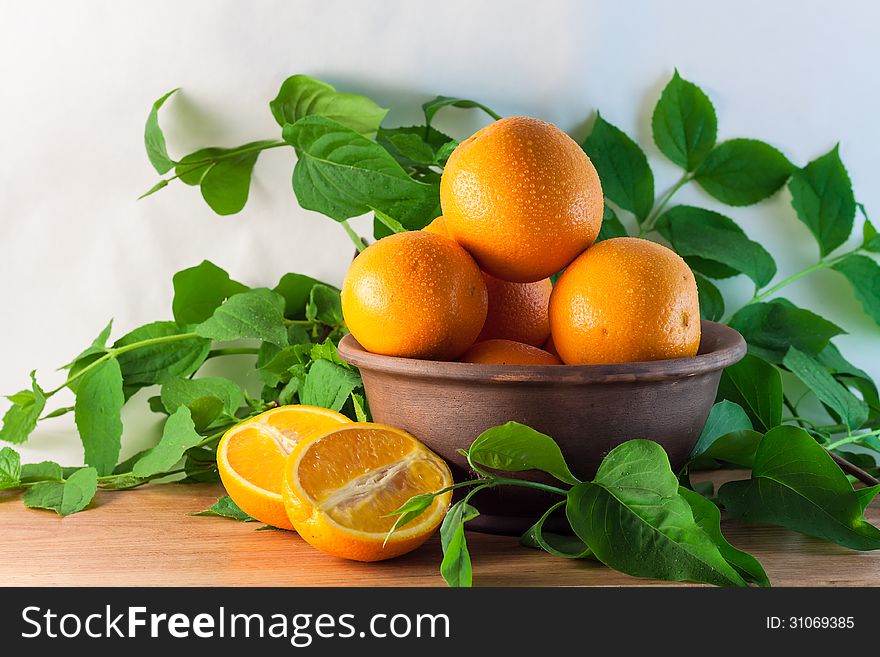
pixel 341 488
pixel 251 456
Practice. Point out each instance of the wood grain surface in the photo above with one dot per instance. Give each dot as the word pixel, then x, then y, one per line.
pixel 146 538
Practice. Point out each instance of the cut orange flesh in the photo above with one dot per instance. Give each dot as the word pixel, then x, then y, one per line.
pixel 251 456
pixel 340 489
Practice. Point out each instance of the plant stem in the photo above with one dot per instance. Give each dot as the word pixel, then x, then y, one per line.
pixel 504 481
pixel 353 236
pixel 233 351
pixel 651 220
pixel 822 264
pixel 854 438
pixel 235 153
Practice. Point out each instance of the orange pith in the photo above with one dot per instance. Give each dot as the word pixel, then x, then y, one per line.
pixel 251 456
pixel 340 489
pixel 508 352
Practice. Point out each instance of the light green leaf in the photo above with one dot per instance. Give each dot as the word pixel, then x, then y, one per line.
pixel 296 290
pixel 258 313
pixel 178 436
pixel 863 273
pixel 559 545
pixel 42 471
pixel 98 346
pixel 99 401
pixel 301 96
pixel 154 139
pixel 225 184
pixel 20 419
pixel 822 196
pixel 852 410
pixel 622 166
pixel 328 385
pixel 697 232
pixel 226 508
pixel 684 123
pixel 325 306
pixel 743 171
pixel 65 498
pixel 200 290
pixel 10 468
pixel 456 565
pixel 416 146
pixel 433 106
pixel 158 363
pixel 756 386
pixel 196 393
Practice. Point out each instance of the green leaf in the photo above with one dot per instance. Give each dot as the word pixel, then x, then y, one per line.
pixel 192 168
pixel 301 95
pixel 200 290
pixel 709 268
pixel 708 517
pixel 257 313
pixel 772 327
pixel 342 174
pixel 360 408
pixel 410 510
pixel 225 184
pixel 756 386
pixel 155 188
pixel 20 419
pixel 870 237
pixel 634 520
pixel 328 385
pixel 99 401
pixel 796 484
pixel 736 447
pixel 622 166
pixel 711 300
pixel 416 146
pixel 296 290
pixel 852 410
pixel 725 417
pixel 433 106
pixel 327 351
pixel 743 171
pixel 98 346
pixel 42 471
pixel 325 306
pixel 684 123
pixel 10 468
pixel 178 436
pixel 456 565
pixel 611 226
pixel 226 508
pixel 712 236
pixel 822 196
pixel 65 498
pixel 196 394
pixel 514 447
pixel 559 545
pixel 863 273
pixel 154 140
pixel 392 224
pixel 158 363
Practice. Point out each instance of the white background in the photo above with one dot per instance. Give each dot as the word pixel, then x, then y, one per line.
pixel 77 79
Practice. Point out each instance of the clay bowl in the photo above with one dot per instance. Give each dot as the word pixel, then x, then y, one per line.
pixel 587 409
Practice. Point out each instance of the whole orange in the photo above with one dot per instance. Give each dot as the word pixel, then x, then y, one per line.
pixel 415 295
pixel 517 311
pixel 522 197
pixel 438 226
pixel 625 300
pixel 508 352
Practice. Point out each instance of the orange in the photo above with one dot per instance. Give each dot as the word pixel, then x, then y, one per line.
pixel 438 226
pixel 251 456
pixel 625 300
pixel 549 347
pixel 416 295
pixel 522 197
pixel 508 352
pixel 517 311
pixel 341 489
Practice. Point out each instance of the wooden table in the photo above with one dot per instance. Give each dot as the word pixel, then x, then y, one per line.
pixel 146 538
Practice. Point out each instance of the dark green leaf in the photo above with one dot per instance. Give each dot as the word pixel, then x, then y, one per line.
pixel 200 290
pixel 822 196
pixel 154 140
pixel 725 417
pixel 852 410
pixel 456 565
pixel 711 300
pixel 10 468
pixel 684 123
pixel 559 545
pixel 392 224
pixel 296 290
pixel 863 273
pixel 433 106
pixel 42 471
pixel 622 166
pixel 257 313
pixel 99 401
pixel 611 226
pixel 178 436
pixel 325 306
pixel 743 171
pixel 226 184
pixel 796 484
pixel 514 447
pixel 870 237
pixel 226 508
pixel 328 385
pixel 64 498
pixel 736 447
pixel 158 363
pixel 708 517
pixel 634 520
pixel 342 174
pixel 20 419
pixel 301 95
pixel 712 236
pixel 756 386
pixel 710 268
pixel 771 328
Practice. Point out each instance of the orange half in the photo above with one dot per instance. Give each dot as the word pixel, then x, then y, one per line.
pixel 251 456
pixel 341 488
